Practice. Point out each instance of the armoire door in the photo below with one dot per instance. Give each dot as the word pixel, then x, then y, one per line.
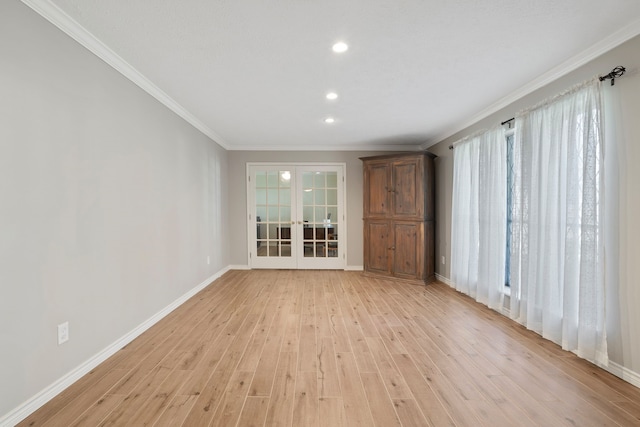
pixel 376 184
pixel 408 253
pixel 377 253
pixel 407 189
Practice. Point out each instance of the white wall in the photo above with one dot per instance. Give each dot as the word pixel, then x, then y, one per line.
pixel 623 295
pixel 238 195
pixel 109 205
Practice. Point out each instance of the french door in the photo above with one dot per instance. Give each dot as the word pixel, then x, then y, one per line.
pixel 296 216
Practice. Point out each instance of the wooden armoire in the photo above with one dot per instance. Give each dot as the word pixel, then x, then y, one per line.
pixel 399 216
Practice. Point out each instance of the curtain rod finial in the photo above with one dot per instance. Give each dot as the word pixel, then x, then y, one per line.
pixel 614 74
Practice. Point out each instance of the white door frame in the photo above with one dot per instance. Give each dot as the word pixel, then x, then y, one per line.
pixel 297 260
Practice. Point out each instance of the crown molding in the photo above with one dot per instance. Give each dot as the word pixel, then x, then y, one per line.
pixel 73 29
pixel 573 63
pixel 324 147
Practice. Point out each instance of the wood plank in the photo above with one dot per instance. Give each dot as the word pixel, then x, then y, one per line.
pixel 308 315
pixel 252 354
pixel 339 334
pixel 305 405
pixel 426 399
pixel 263 379
pixel 155 405
pixel 291 334
pixel 393 379
pixel 355 400
pixel 382 407
pixel 308 349
pixel 78 406
pixel 130 406
pixel 282 397
pixel 496 398
pixel 409 413
pixel 388 336
pixel 176 412
pixel 207 402
pixel 254 412
pixel 230 407
pixel 211 395
pixel 331 412
pixel 354 308
pixel 328 378
pixel 360 348
pixel 320 308
pixel 578 417
pixel 628 409
pixel 534 410
pixel 208 364
pixel 95 413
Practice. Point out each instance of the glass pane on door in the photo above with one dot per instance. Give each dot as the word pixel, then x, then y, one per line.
pixel 273 213
pixel 319 214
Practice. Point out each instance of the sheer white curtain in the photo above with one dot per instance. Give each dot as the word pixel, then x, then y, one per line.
pixel 557 254
pixel 478 226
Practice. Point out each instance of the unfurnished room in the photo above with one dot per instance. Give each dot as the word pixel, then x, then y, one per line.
pixel 294 213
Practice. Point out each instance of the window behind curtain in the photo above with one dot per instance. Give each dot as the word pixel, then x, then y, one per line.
pixel 556 271
pixel 510 183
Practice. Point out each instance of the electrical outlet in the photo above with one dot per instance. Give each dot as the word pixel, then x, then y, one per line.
pixel 442 259
pixel 208 259
pixel 63 333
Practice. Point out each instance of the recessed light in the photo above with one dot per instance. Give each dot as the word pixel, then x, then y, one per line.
pixel 332 95
pixel 340 47
pixel 329 120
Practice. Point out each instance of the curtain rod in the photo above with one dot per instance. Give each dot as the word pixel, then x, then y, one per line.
pixel 613 75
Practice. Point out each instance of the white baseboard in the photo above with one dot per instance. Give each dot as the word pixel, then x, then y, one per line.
pixel 34 403
pixel 625 373
pixel 347 268
pixel 444 280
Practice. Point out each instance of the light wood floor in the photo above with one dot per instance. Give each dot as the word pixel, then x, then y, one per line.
pixel 314 348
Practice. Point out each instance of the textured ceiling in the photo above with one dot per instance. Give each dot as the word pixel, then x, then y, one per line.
pixel 254 74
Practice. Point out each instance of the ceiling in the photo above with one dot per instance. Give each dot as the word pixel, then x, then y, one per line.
pixel 253 75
